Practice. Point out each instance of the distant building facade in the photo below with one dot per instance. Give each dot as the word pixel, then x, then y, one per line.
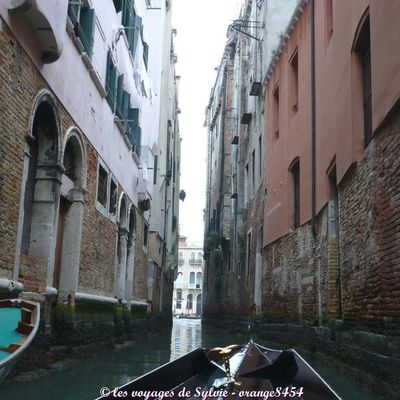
pixel 188 298
pixel 80 111
pixel 235 176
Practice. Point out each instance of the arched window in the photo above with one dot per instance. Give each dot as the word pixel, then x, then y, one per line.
pixel 198 304
pixel 189 303
pixel 199 278
pixel 362 50
pixel 295 203
pixel 179 280
pixel 192 259
pixel 191 278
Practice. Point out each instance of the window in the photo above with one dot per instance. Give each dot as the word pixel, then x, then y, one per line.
pixel 179 299
pixel 179 280
pixel 260 160
pixel 248 254
pixel 155 170
pixel 192 259
pixel 107 192
pixel 83 20
pixel 145 235
pixel 199 278
pixel 275 112
pixel 102 186
pixel 253 171
pixel 246 183
pixel 145 54
pixel 111 81
pixel 134 132
pixel 363 51
pixel 295 172
pixel 113 197
pixel 189 303
pixel 132 24
pixel 118 5
pixel 329 19
pixel 191 278
pixel 294 81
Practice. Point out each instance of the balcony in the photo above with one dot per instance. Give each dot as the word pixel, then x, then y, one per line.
pixel 47 20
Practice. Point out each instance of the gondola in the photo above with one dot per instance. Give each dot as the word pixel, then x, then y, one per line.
pixel 238 371
pixel 19 322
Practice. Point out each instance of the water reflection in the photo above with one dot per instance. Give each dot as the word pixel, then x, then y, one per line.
pixel 84 378
pixel 185 336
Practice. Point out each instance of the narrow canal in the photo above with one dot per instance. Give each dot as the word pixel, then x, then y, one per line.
pixel 82 379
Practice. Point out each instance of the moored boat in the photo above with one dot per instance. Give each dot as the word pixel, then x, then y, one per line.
pixel 19 322
pixel 237 371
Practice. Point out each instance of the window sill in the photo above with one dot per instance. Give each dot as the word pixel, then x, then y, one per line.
pixel 102 210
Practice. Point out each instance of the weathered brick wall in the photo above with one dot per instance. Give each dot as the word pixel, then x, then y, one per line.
pixel 293 265
pixel 19 84
pixel 300 280
pixel 370 233
pixel 99 239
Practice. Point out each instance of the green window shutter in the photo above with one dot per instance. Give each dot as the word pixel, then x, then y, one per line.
pixel 138 27
pixel 126 98
pixel 125 13
pixel 87 22
pixel 111 77
pixel 118 5
pixel 120 81
pixel 134 132
pixel 145 54
pixel 128 17
pixel 155 170
pixel 73 12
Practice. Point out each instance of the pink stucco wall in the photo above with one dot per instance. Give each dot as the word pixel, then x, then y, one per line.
pixel 339 118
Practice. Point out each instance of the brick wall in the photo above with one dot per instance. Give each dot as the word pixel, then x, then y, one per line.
pixel 370 232
pixel 302 279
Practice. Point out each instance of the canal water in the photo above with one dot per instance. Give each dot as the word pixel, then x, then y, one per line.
pixel 83 379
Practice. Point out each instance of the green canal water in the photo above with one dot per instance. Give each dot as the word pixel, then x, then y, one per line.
pixel 83 379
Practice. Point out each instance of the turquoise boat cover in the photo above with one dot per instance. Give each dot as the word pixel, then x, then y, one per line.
pixel 9 318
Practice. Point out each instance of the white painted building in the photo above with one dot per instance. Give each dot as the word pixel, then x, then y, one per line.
pixel 188 287
pixel 99 64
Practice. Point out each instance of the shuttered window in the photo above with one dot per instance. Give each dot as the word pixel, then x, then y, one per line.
pixel 83 20
pixel 132 24
pixel 145 54
pixel 134 132
pixel 111 81
pixel 86 29
pixel 363 50
pixel 295 170
pixel 119 106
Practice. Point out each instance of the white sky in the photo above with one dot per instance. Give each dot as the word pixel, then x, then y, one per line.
pixel 201 36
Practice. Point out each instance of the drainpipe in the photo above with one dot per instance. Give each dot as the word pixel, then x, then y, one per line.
pixel 313 128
